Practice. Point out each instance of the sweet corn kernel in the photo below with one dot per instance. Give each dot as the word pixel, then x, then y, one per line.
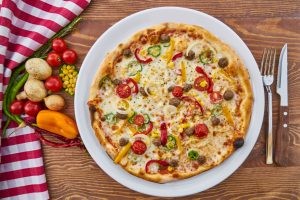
pixel 66 82
pixel 68 67
pixel 171 65
pixel 73 85
pixel 170 168
pixel 74 73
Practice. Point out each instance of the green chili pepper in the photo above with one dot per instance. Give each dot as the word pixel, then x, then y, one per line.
pixel 147 118
pixel 141 128
pixel 154 50
pixel 110 117
pixel 193 155
pixel 103 80
pixel 216 110
pixel 171 142
pixel 130 119
pixel 207 56
pixel 134 67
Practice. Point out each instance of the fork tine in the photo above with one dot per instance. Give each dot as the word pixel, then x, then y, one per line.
pixel 267 62
pixel 273 65
pixel 262 62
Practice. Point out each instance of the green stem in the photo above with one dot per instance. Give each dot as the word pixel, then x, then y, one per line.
pixel 5 127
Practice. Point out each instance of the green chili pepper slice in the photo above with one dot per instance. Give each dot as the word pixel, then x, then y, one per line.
pixel 193 155
pixel 134 67
pixel 171 142
pixel 154 50
pixel 147 118
pixel 103 80
pixel 207 56
pixel 130 119
pixel 216 110
pixel 110 117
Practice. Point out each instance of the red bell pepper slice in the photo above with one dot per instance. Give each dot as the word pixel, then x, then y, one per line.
pixel 136 88
pixel 210 82
pixel 159 162
pixel 179 55
pixel 146 132
pixel 136 54
pixel 163 134
pixel 197 104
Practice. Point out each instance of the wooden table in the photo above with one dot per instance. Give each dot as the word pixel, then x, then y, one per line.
pixel 72 173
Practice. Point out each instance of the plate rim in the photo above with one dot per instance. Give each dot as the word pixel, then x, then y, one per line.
pixel 79 109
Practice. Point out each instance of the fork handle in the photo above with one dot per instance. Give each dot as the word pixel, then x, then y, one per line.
pixel 282 137
pixel 269 143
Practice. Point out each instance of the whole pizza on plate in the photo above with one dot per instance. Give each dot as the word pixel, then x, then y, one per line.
pixel 171 102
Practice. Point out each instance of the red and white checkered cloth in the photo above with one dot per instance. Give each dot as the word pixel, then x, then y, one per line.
pixel 25 25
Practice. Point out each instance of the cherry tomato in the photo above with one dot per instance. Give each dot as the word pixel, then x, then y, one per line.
pixel 54 59
pixel 53 83
pixel 177 91
pixel 59 45
pixel 139 147
pixel 139 120
pixel 201 83
pixel 32 108
pixel 123 90
pixel 17 107
pixel 201 130
pixel 215 97
pixel 69 56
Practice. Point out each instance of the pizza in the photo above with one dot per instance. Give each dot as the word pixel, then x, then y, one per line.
pixel 171 102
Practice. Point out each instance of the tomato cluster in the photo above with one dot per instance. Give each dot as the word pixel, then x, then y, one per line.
pixel 61 54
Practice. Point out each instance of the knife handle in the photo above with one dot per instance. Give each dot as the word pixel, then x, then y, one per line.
pixel 282 137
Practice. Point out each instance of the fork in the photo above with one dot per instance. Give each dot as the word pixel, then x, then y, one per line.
pixel 267 72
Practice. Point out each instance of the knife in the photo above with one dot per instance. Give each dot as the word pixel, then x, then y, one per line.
pixel 282 137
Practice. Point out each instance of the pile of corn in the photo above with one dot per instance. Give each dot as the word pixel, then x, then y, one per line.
pixel 68 75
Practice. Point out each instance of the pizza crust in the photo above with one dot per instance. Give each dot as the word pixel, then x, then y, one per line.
pixel 236 69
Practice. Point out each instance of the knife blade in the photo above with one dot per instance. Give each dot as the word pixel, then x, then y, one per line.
pixel 282 137
pixel 282 77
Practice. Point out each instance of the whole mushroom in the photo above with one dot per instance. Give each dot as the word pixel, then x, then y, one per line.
pixel 38 68
pixel 54 102
pixel 34 90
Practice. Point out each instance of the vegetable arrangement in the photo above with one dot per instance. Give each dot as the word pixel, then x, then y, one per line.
pixel 35 75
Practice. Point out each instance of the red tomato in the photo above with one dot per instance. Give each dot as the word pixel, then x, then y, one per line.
pixel 177 91
pixel 215 97
pixel 123 90
pixel 17 107
pixel 201 83
pixel 53 83
pixel 139 147
pixel 59 45
pixel 201 130
pixel 32 108
pixel 53 59
pixel 139 120
pixel 69 56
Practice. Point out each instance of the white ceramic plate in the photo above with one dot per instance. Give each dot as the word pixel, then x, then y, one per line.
pixel 119 33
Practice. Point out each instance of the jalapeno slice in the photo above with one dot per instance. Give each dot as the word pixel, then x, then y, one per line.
pixel 171 142
pixel 154 50
pixel 207 56
pixel 110 117
pixel 193 155
pixel 134 67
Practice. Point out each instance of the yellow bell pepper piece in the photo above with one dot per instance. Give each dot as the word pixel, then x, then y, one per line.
pixel 169 53
pixel 178 142
pixel 225 75
pixel 183 71
pixel 132 129
pixel 122 153
pixel 227 114
pixel 137 77
pixel 58 123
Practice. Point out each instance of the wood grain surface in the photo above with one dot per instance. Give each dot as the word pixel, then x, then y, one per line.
pixel 72 173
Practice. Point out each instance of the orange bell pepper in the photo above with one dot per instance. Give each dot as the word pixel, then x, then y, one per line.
pixel 58 123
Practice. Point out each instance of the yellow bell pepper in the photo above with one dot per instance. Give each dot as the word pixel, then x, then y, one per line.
pixel 169 53
pixel 122 153
pixel 121 127
pixel 183 71
pixel 137 77
pixel 57 123
pixel 178 142
pixel 227 114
